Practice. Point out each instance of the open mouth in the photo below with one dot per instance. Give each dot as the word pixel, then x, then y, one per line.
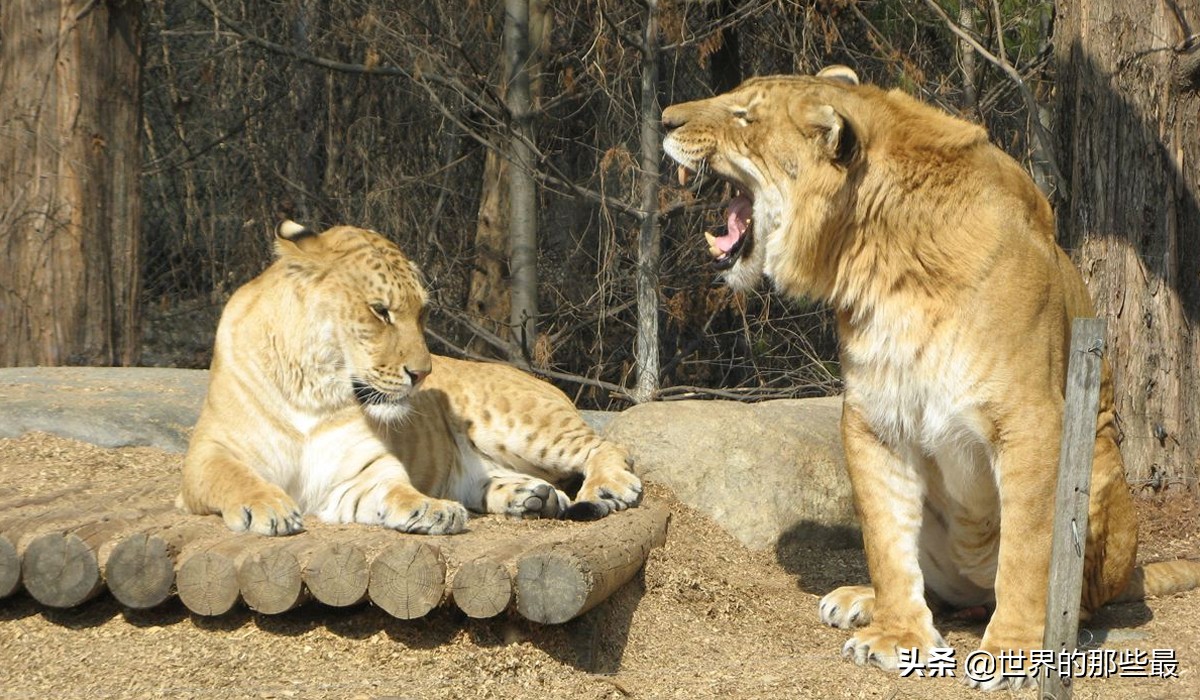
pixel 735 237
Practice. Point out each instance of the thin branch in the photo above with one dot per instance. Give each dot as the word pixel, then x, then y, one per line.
pixel 738 16
pixel 507 348
pixel 557 178
pixel 326 63
pixel 615 390
pixel 1031 105
pixel 630 39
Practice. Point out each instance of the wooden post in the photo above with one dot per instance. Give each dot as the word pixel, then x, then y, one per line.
pixel 1071 499
pixel 485 584
pixel 270 577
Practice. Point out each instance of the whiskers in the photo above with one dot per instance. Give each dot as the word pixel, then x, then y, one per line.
pixel 383 406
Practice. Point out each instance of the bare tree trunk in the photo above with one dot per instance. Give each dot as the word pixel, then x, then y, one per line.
pixel 966 20
pixel 522 189
pixel 70 154
pixel 649 237
pixel 1130 146
pixel 488 297
pixel 305 169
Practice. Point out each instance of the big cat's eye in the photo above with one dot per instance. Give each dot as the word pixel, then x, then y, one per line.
pixel 742 116
pixel 381 312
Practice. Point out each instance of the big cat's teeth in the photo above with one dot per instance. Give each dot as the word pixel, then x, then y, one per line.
pixel 684 175
pixel 713 250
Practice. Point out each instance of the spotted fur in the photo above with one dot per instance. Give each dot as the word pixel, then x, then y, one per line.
pixel 325 400
pixel 954 306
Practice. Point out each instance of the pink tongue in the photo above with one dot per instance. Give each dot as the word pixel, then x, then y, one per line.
pixel 737 220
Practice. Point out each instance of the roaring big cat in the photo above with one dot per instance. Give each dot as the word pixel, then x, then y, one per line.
pixel 954 304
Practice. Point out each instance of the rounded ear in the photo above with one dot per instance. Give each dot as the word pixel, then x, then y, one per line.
pixel 290 236
pixel 838 139
pixel 842 74
pixel 291 230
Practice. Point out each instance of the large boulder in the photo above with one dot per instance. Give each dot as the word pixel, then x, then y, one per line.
pixel 106 406
pixel 772 473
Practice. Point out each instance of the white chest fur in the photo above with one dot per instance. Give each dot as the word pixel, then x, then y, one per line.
pixel 918 390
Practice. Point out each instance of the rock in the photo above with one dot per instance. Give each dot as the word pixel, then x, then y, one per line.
pixel 106 406
pixel 772 474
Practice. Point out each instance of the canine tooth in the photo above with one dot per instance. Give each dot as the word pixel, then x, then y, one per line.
pixel 683 176
pixel 713 250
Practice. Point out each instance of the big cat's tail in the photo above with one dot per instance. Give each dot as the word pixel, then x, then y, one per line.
pixel 1161 578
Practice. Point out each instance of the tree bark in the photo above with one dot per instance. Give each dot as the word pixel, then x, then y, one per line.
pixel 522 189
pixel 1130 144
pixel 70 154
pixel 966 20
pixel 646 355
pixel 488 296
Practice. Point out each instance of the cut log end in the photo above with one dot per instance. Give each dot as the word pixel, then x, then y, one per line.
pixel 140 571
pixel 482 588
pixel 10 568
pixel 270 580
pixel 207 583
pixel 408 579
pixel 61 571
pixel 561 581
pixel 338 574
pixel 554 587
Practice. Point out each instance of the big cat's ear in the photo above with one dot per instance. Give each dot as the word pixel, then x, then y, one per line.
pixel 838 138
pixel 842 74
pixel 290 236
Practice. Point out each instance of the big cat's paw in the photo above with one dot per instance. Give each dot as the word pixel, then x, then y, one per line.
pixel 533 498
pixel 606 493
pixel 267 511
pixel 848 607
pixel 881 647
pixel 423 516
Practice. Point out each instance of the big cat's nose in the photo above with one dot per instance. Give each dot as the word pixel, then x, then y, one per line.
pixel 672 119
pixel 416 376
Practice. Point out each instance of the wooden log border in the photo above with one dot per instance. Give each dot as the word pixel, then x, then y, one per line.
pixel 146 553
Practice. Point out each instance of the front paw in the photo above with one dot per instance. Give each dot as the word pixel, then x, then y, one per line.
pixel 878 646
pixel 610 492
pixel 1003 662
pixel 267 511
pixel 423 516
pixel 848 607
pixel 1000 670
pixel 532 498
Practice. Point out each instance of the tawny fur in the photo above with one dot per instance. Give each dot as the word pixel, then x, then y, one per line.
pixel 284 431
pixel 954 305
